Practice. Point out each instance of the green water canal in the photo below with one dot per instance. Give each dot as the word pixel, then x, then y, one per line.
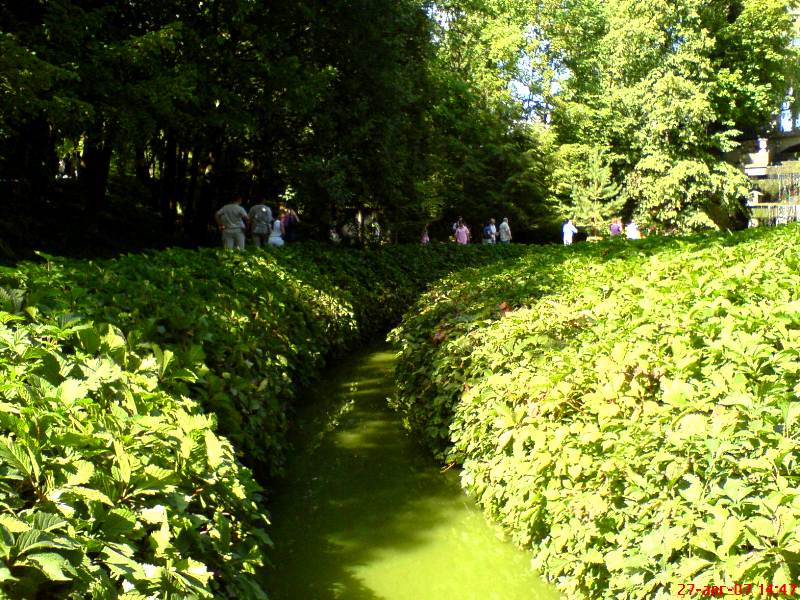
pixel 366 514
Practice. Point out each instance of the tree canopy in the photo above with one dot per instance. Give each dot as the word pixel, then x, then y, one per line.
pixel 670 87
pixel 414 111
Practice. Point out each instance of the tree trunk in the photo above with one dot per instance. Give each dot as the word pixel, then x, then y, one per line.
pixel 141 167
pixel 722 217
pixel 95 163
pixel 190 198
pixel 39 163
pixel 168 184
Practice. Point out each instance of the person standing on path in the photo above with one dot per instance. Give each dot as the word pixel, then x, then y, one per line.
pixel 260 217
pixel 490 232
pixel 277 232
pixel 289 219
pixel 462 234
pixel 505 232
pixel 232 222
pixel 568 230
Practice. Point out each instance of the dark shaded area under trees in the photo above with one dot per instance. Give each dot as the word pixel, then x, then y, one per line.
pixel 126 124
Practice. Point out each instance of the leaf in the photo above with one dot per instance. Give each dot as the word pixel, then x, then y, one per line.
pixel 16 457
pixel 736 490
pixel 730 535
pixel 162 538
pixel 676 392
pixel 593 556
pixel 606 411
pixel 52 565
pixel 9 408
pixel 6 541
pixel 615 560
pixel 13 524
pixel 121 565
pixel 89 339
pixel 691 566
pixel 118 523
pixel 89 494
pixel 505 439
pixel 792 413
pixel 693 424
pixel 70 391
pixel 83 473
pixel 695 490
pixel 156 514
pixel 123 462
pixel 48 521
pixel 762 527
pixel 214 449
pixel 33 539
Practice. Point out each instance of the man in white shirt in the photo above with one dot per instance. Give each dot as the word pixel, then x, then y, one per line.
pixel 232 221
pixel 632 231
pixel 504 232
pixel 568 230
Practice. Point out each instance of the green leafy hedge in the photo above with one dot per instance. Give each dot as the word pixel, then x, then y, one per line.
pixel 108 483
pixel 122 381
pixel 629 411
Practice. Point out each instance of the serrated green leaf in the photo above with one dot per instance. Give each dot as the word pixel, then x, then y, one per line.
pixel 70 391
pixel 54 566
pixel 47 521
pixel 123 462
pixel 161 539
pixel 119 522
pixel 13 524
pixel 214 450
pixel 83 473
pixel 121 565
pixel 16 457
pixel 89 494
pixel 33 539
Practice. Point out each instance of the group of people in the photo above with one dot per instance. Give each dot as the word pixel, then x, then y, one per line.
pixel 490 234
pixel 235 222
pixel 631 230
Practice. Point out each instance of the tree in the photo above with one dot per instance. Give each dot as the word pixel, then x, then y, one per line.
pixel 669 86
pixel 593 195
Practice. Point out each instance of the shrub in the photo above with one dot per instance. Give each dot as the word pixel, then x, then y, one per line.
pixel 124 380
pixel 628 411
pixel 108 481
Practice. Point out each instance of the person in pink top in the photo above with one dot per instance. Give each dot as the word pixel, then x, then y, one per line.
pixel 462 234
pixel 425 239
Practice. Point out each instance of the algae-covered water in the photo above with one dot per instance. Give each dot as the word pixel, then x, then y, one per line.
pixel 366 514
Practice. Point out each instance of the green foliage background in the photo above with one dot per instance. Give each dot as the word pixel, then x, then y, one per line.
pixel 416 112
pixel 628 411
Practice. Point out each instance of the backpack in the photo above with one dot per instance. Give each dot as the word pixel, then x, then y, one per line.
pixel 487 232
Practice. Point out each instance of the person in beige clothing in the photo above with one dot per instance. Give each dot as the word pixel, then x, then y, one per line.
pixel 232 222
pixel 504 232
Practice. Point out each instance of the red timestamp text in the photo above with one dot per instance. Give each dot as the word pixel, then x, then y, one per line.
pixel 785 590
